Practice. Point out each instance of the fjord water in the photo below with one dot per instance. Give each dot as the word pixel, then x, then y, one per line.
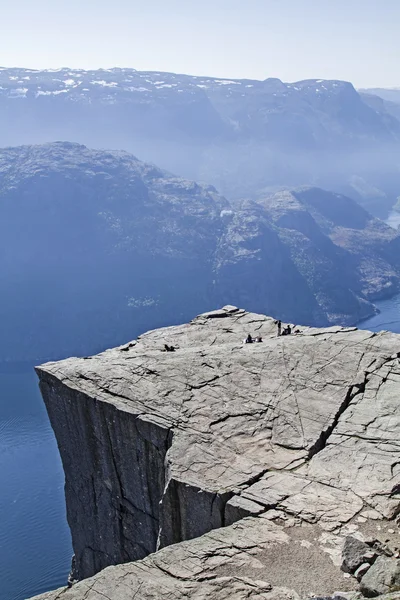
pixel 35 545
pixel 389 316
pixel 388 319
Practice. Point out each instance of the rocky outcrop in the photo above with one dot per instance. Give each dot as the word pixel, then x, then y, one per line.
pixel 296 435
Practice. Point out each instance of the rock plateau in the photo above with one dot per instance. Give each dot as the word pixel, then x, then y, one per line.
pixel 231 470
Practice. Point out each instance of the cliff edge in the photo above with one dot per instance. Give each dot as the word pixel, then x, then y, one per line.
pixel 290 444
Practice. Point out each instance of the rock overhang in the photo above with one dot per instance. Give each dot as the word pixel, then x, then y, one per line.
pixel 305 424
pixel 238 410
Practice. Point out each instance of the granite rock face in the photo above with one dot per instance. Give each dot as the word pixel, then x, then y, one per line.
pixel 164 446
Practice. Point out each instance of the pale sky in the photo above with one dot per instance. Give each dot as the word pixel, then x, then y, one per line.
pixel 355 40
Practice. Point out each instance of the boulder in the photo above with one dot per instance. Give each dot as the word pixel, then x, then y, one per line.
pixel 383 577
pixel 362 569
pixel 356 553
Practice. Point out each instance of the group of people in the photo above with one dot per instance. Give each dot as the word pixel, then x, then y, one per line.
pixel 168 348
pixel 250 340
pixel 287 330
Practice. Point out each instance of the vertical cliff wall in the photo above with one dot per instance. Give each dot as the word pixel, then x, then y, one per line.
pixel 115 476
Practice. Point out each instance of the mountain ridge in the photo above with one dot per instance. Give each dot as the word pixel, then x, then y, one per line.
pixel 242 136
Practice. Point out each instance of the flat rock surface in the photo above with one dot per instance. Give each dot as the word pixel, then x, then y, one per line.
pixel 301 430
pixel 238 410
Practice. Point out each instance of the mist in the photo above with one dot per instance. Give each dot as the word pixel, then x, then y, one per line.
pixel 244 137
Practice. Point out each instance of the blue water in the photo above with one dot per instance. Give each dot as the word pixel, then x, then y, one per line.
pixel 35 545
pixel 388 318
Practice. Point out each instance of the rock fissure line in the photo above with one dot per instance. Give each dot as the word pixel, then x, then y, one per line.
pixel 101 594
pixel 235 416
pixel 353 391
pixel 320 444
pixel 122 500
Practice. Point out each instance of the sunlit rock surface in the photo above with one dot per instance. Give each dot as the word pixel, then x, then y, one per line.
pixel 299 433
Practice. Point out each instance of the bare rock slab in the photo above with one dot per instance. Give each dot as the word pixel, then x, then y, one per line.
pixel 160 447
pixel 253 558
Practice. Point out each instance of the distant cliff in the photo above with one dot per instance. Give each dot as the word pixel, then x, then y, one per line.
pixel 297 433
pixel 97 246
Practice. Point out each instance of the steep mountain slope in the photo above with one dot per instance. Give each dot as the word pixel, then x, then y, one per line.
pixel 241 135
pixel 383 100
pixel 342 252
pixel 89 239
pixel 97 246
pixel 389 94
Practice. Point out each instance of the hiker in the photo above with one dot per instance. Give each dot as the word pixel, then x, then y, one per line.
pixel 258 338
pixel 168 348
pixel 279 327
pixel 249 339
